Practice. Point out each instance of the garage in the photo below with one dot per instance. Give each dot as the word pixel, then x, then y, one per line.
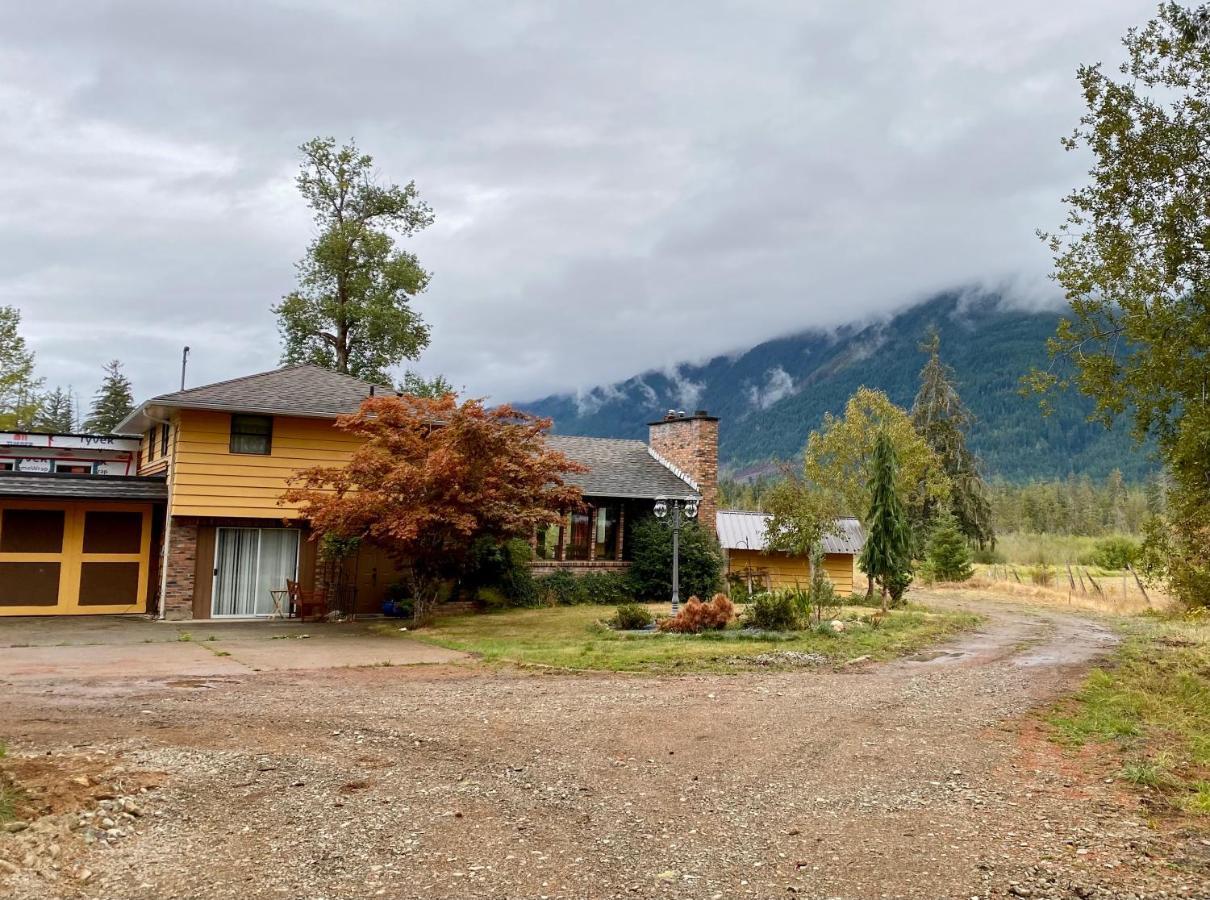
pixel 78 544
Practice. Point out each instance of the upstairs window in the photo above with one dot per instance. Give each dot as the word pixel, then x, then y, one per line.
pixel 164 439
pixel 252 434
pixel 151 443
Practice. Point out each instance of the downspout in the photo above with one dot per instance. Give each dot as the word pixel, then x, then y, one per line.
pixel 167 516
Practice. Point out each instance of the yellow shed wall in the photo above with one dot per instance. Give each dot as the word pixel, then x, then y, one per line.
pixel 209 480
pixel 785 570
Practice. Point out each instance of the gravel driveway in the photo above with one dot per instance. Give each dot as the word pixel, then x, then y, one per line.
pixel 922 778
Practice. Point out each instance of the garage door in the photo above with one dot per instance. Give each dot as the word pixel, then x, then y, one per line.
pixel 74 559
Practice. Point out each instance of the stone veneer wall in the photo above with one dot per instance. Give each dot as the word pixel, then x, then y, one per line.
pixel 182 567
pixel 691 444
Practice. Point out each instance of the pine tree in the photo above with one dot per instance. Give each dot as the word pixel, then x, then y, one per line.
pixel 948 554
pixel 942 420
pixel 57 413
pixel 19 401
pixel 887 552
pixel 113 401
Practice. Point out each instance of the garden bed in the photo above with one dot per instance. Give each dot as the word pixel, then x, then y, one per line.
pixel 576 638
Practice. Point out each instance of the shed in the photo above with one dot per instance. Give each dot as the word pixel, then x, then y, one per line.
pixel 742 536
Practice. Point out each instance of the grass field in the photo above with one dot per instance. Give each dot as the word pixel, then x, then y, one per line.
pixel 1151 707
pixel 573 637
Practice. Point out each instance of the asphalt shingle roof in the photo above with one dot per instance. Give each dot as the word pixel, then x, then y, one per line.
pixel 304 390
pixel 619 468
pixel 743 530
pixel 59 485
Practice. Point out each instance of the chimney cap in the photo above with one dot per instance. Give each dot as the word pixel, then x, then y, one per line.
pixel 673 416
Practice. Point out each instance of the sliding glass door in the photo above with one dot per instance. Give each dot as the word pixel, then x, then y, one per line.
pixel 248 564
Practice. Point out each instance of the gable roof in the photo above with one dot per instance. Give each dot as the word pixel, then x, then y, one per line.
pixel 742 530
pixel 306 390
pixel 619 468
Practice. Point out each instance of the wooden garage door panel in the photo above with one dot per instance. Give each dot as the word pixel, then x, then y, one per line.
pixel 29 584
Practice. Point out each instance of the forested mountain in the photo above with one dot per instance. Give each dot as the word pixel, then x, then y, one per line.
pixel 771 396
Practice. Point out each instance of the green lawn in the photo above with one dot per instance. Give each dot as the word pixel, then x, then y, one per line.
pixel 1151 707
pixel 572 637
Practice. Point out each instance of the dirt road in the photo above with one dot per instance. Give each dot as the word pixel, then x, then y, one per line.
pixel 922 778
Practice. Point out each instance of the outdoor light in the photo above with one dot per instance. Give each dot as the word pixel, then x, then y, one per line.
pixel 680 509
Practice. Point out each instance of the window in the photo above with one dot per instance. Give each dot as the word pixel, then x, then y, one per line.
pixel 548 542
pixel 164 439
pixel 252 434
pixel 74 468
pixel 580 537
pixel 151 443
pixel 605 535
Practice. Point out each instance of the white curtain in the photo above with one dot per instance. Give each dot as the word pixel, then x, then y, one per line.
pixel 249 563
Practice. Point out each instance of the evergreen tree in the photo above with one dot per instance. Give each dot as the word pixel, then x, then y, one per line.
pixel 887 552
pixel 948 555
pixel 943 421
pixel 113 401
pixel 57 412
pixel 19 400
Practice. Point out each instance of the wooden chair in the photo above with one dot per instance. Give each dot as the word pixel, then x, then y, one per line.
pixel 305 603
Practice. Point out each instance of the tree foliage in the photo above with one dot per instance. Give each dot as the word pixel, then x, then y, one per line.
pixel 802 514
pixel 887 554
pixel 418 386
pixel 56 412
pixel 19 401
pixel 840 454
pixel 701 560
pixel 351 311
pixel 113 401
pixel 1133 258
pixel 947 554
pixel 431 477
pixel 943 421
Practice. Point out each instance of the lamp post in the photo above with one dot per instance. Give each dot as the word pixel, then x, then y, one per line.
pixel 681 509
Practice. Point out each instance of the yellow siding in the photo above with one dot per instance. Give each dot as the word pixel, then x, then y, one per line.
pixel 209 480
pixel 161 463
pixel 784 570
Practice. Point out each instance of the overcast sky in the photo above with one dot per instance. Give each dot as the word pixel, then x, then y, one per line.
pixel 618 186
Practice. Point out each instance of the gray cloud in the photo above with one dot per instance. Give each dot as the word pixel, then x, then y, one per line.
pixel 618 187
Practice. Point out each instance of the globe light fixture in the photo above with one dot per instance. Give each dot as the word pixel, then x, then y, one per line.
pixel 680 509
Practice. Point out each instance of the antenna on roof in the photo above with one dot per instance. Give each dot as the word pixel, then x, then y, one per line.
pixel 184 359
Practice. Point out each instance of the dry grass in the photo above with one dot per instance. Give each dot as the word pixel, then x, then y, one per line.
pixel 1118 596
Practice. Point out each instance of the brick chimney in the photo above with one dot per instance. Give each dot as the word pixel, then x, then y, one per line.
pixel 690 442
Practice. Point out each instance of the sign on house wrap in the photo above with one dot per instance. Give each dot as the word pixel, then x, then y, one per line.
pixel 75 454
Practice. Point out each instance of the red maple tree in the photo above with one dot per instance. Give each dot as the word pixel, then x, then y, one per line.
pixel 434 475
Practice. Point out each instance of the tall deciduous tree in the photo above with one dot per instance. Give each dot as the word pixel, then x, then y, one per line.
pixel 942 420
pixel 1134 260
pixel 19 400
pixel 351 311
pixel 113 401
pixel 801 515
pixel 57 412
pixel 887 554
pixel 418 386
pixel 840 453
pixel 431 477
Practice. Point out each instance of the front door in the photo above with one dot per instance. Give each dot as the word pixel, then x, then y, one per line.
pixel 248 564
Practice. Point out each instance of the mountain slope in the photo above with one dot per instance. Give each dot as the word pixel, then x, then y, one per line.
pixel 771 396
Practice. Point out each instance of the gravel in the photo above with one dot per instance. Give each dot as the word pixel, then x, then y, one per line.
pixel 914 779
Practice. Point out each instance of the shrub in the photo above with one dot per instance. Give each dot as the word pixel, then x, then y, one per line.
pixel 631 617
pixel 492 598
pixel 773 611
pixel 604 588
pixel 989 556
pixel 559 588
pixel 696 616
pixel 651 570
pixel 1116 552
pixel 503 568
pixel 1041 575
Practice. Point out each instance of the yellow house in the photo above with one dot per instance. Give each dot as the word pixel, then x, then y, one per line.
pixel 226 452
pixel 749 561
